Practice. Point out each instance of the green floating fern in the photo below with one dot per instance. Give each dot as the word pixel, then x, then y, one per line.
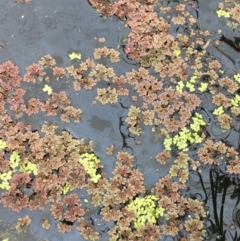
pixel 218 111
pixel 89 162
pixel 66 188
pixel 237 77
pixel 27 167
pixel 186 136
pixel 235 101
pixel 223 13
pixel 190 85
pixel 14 160
pixel 146 210
pixel 4 178
pixel 3 144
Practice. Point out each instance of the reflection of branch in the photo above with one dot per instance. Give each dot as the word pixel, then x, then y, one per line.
pixel 201 181
pixel 231 43
pixel 238 196
pixel 235 236
pixel 227 58
pixel 226 184
pixel 214 189
pixel 214 198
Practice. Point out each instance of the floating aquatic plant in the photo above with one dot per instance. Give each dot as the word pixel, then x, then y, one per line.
pixel 223 13
pixel 146 210
pixel 47 89
pixel 90 163
pixel 74 55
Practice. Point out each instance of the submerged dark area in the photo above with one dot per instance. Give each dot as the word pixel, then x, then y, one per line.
pixel 126 107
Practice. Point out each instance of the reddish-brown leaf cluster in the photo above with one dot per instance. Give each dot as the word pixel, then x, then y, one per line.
pixel 10 91
pixel 23 223
pixel 33 71
pixel 163 157
pixel 80 75
pixel 211 152
pixel 108 52
pixel 173 110
pixel 59 72
pixel 47 61
pixel 87 231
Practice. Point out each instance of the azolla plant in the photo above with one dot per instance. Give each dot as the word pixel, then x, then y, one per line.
pixel 46 166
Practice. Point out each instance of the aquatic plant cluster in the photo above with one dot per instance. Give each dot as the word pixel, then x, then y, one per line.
pixel 166 91
pixel 230 9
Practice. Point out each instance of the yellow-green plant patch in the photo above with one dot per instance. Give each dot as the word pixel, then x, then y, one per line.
pixel 75 56
pixel 47 89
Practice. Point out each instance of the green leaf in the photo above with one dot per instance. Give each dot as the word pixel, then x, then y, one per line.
pixel 47 89
pixel 237 77
pixel 193 79
pixel 203 87
pixel 177 52
pixel 89 162
pixel 197 138
pixel 180 86
pixel 66 188
pixel 160 211
pixel 75 56
pixel 199 121
pixel 29 167
pixel 223 13
pixel 145 209
pixel 96 178
pixel 218 111
pixel 182 145
pixel 234 102
pixel 14 156
pixel 3 144
pixel 195 127
pixel 5 177
pixel 14 160
pixel 167 143
pixel 5 185
pixel 190 87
